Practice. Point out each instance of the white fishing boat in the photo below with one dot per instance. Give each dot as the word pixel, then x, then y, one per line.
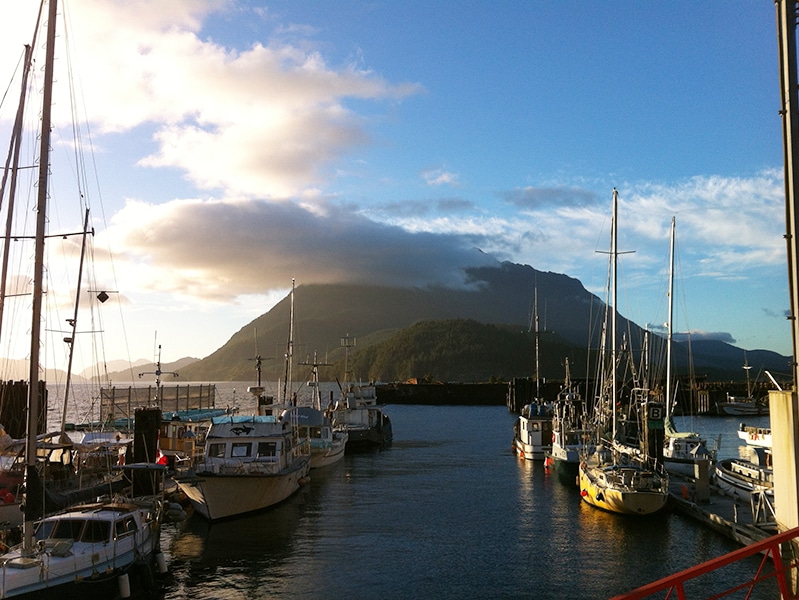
pixel 532 432
pixel 569 439
pixel 250 463
pixel 739 477
pixel 327 442
pixel 617 477
pixel 740 406
pixel 532 436
pixel 737 406
pixel 755 436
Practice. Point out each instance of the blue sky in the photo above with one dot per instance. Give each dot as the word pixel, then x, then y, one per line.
pixel 239 145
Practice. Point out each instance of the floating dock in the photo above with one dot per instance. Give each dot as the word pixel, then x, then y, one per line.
pixel 731 516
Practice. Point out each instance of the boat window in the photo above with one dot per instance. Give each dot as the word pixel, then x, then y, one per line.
pixel 126 526
pixel 240 450
pixel 216 450
pixel 44 529
pixel 267 448
pixel 96 531
pixel 68 528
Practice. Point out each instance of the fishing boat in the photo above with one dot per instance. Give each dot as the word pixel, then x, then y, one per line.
pixel 532 432
pixel 739 406
pixel 616 476
pixel 741 478
pixel 683 451
pixel 569 438
pixel 755 436
pixel 250 463
pixel 357 412
pixel 316 427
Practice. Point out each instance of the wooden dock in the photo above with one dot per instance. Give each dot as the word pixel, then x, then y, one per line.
pixel 733 517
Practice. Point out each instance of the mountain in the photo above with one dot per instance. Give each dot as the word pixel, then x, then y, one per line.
pixel 500 296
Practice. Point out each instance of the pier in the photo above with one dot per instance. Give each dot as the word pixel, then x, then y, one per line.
pixel 745 523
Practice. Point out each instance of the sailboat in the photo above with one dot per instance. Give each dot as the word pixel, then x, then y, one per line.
pixel 532 432
pixel 614 476
pixel 86 544
pixel 683 449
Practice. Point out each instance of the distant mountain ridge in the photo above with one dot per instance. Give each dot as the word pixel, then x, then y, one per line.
pixel 500 296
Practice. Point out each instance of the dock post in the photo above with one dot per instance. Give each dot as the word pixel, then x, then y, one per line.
pixel 702 481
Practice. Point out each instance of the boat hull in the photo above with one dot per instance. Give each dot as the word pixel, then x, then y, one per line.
pixel 367 428
pixel 222 496
pixel 741 478
pixel 741 409
pixel 596 491
pixel 328 455
pixel 533 437
pixel 75 565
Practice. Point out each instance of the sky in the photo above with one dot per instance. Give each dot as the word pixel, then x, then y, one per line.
pixel 237 145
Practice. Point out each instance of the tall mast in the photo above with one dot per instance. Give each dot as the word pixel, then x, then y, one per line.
pixel 671 317
pixel 289 347
pixel 73 322
pixel 615 262
pixel 16 144
pixel 537 374
pixel 38 275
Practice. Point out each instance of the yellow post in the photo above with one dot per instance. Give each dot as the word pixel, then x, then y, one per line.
pixel 783 409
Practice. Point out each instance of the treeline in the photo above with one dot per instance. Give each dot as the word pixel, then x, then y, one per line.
pixel 463 350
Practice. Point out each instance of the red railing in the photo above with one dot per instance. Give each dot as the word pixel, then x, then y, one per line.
pixel 780 572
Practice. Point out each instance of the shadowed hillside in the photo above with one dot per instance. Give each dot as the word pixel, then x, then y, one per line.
pixel 500 296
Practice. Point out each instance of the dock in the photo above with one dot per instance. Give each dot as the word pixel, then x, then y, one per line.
pixel 743 522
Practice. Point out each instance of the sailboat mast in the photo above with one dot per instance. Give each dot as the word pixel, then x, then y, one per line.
pixel 38 274
pixel 537 374
pixel 74 321
pixel 615 262
pixel 289 347
pixel 16 142
pixel 671 317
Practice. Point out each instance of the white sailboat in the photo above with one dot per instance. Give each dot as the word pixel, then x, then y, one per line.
pixel 87 544
pixel 683 450
pixel 611 478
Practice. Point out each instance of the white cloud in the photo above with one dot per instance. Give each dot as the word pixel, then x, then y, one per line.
pixel 436 177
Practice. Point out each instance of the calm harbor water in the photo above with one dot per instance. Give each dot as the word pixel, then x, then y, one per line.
pixel 447 512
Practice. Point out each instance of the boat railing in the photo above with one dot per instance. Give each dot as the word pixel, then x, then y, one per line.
pixel 778 566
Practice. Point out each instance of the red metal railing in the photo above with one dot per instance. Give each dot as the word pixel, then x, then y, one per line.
pixel 773 566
